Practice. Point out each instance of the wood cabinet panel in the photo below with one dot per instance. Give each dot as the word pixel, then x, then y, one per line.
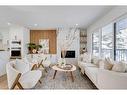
pixel 35 35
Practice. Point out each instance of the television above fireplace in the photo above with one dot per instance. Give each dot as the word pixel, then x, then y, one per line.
pixel 69 54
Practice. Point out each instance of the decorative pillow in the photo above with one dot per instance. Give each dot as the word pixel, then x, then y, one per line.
pixel 109 60
pixel 95 60
pixel 81 57
pixel 101 64
pixel 124 62
pixel 86 58
pixel 108 64
pixel 119 67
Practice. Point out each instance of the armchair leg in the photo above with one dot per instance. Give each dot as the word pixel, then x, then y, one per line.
pixel 41 65
pixel 16 82
pixel 40 81
pixel 19 85
pixel 45 70
pixel 34 67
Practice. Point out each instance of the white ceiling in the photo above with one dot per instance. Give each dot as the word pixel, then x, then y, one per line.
pixel 48 17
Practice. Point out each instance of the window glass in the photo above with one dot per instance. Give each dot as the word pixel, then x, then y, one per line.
pixel 95 44
pixel 121 40
pixel 107 41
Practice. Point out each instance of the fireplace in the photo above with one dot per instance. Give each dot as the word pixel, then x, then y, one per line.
pixel 69 54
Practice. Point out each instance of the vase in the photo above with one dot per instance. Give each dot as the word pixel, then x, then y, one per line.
pixel 63 53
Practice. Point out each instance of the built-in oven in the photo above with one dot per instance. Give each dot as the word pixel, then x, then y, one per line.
pixel 15 52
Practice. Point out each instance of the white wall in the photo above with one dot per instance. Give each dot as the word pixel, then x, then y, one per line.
pixel 5 34
pixel 26 40
pixel 112 16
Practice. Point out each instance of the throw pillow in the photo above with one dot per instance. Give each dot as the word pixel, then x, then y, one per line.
pixel 124 62
pixel 86 58
pixel 119 67
pixel 101 64
pixel 109 60
pixel 108 64
pixel 95 60
pixel 81 57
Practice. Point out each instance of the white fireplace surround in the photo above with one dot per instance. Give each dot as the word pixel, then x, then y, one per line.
pixel 61 37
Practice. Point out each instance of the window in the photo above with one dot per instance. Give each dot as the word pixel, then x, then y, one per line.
pixel 111 41
pixel 107 41
pixel 95 44
pixel 121 40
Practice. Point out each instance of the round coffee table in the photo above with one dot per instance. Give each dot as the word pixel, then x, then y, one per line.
pixel 56 68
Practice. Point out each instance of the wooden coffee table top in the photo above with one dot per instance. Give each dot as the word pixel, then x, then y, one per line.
pixel 55 67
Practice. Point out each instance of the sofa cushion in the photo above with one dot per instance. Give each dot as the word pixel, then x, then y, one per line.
pixel 101 64
pixel 92 72
pixel 89 65
pixel 94 59
pixel 119 67
pixel 83 65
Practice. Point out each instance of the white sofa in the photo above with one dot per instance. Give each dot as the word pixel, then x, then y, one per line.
pixel 103 79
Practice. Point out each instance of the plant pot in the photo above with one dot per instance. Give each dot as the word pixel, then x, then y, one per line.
pixel 34 51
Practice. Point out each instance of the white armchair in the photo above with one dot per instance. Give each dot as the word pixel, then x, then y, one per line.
pixel 19 74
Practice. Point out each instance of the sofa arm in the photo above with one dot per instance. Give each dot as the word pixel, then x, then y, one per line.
pixel 111 80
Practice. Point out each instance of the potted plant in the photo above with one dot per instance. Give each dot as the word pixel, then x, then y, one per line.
pixel 38 47
pixel 31 46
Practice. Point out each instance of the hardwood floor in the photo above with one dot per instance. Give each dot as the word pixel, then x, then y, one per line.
pixel 3 82
pixel 61 81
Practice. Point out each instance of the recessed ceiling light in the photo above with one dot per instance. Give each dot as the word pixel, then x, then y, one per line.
pixel 76 24
pixel 35 24
pixel 8 23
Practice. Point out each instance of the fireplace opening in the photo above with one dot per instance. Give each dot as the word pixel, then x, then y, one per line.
pixel 69 54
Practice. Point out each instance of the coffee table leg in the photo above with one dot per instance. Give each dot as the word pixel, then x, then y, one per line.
pixel 72 77
pixel 54 74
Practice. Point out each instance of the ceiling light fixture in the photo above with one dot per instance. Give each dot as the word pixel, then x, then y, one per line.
pixel 8 23
pixel 35 24
pixel 76 24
